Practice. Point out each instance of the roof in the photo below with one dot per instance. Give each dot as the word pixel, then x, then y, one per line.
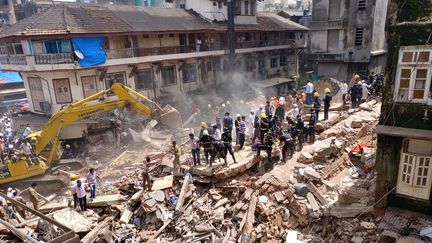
pixel 403 132
pixel 267 83
pixel 78 19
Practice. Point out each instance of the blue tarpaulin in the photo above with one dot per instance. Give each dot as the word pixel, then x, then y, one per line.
pixel 10 77
pixel 91 48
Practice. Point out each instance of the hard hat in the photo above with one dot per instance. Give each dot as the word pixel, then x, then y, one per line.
pixel 67 146
pixel 209 106
pixel 8 202
pixel 203 124
pixel 205 133
pixel 228 102
pixel 223 105
pixel 33 138
pixel 237 115
pixel 316 94
pixel 73 176
pixel 327 90
pixel 9 189
pixel 263 115
pixel 295 106
pixel 356 76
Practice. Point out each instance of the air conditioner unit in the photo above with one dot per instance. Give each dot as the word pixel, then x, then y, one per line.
pixel 45 106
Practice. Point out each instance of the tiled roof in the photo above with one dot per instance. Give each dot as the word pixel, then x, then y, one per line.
pixel 78 19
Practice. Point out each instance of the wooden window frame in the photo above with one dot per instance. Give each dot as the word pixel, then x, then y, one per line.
pixel 55 90
pixel 173 67
pixel 82 84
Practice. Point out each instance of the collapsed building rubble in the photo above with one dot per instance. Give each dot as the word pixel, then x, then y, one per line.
pixel 326 196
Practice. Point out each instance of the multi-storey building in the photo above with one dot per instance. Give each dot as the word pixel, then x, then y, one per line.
pixel 348 36
pixel 404 155
pixel 160 52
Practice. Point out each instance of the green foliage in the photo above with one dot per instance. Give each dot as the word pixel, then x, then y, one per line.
pixel 414 10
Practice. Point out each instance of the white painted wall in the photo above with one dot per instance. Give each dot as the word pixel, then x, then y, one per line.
pixel 207 9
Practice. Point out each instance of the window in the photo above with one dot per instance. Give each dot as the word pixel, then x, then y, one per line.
pixel 274 63
pixel 189 73
pixel 144 79
pixel 13 47
pixel 359 37
pixel 252 7
pixel 219 4
pixel 214 3
pixel 112 78
pixel 57 46
pixel 415 169
pixel 171 35
pixel 283 60
pixel 89 85
pixel 62 90
pixel 413 76
pixel 36 92
pixel 361 4
pixel 246 7
pixel 237 7
pixel 168 75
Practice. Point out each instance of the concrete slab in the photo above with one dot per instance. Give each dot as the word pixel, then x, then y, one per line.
pixel 105 200
pixel 163 183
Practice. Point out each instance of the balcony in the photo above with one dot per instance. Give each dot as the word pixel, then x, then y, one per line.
pixel 168 50
pixel 13 59
pixel 58 58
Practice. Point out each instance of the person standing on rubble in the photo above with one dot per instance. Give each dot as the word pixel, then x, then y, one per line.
pixel 34 195
pixel 203 127
pixel 268 108
pixel 147 183
pixel 327 100
pixel 72 185
pixel 267 146
pixel 195 149
pixel 264 126
pixel 356 94
pixel 237 127
pixel 227 122
pixel 206 141
pixel 19 199
pixel 256 129
pixel 344 91
pixel 242 131
pixel 92 179
pixel 250 124
pixel 26 132
pixel 227 140
pixel 309 91
pixel 312 122
pixel 316 105
pixel 217 134
pixel 80 189
pixel 176 152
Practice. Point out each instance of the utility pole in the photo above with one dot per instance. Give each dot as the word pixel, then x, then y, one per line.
pixel 11 9
pixel 231 35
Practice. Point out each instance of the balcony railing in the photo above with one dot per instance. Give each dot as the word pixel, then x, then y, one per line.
pixel 58 58
pixel 166 50
pixel 13 59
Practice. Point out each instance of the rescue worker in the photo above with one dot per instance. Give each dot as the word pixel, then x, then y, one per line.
pixel 288 145
pixel 242 131
pixel 237 127
pixel 267 146
pixel 176 152
pixel 290 123
pixel 33 195
pixel 206 141
pixel 203 128
pixel 280 112
pixel 195 149
pixel 268 108
pixel 327 100
pixel 264 126
pixel 312 122
pixel 216 133
pixel 73 178
pixel 227 122
pixel 356 93
pixel 17 208
pixel 256 126
pixel 26 132
pixel 227 140
pixel 316 104
pixel 147 184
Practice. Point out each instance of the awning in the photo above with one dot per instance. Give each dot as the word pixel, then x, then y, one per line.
pixel 403 132
pixel 273 82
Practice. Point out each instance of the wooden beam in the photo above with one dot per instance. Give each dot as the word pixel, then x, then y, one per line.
pixel 184 190
pixel 91 236
pixel 250 216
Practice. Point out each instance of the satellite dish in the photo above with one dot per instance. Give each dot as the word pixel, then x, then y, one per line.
pixel 79 54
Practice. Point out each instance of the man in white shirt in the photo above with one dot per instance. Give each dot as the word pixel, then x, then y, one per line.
pixel 344 91
pixel 217 133
pixel 91 181
pixel 309 91
pixel 26 149
pixel 365 91
pixel 80 190
pixel 195 148
pixel 27 131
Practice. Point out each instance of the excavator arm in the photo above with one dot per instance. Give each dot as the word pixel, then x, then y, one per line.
pixel 99 103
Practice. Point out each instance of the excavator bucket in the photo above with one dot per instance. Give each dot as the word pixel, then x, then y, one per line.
pixel 170 117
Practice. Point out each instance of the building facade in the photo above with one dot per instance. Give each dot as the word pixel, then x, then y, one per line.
pixel 160 52
pixel 404 150
pixel 347 37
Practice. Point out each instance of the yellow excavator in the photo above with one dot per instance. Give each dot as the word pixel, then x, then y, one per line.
pixel 47 149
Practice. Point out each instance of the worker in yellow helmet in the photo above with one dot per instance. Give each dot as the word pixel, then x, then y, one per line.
pixel 316 104
pixel 203 128
pixel 264 126
pixel 72 188
pixel 327 100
